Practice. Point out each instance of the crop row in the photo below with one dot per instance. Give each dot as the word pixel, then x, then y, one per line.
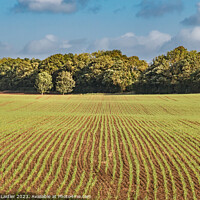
pixel 99 146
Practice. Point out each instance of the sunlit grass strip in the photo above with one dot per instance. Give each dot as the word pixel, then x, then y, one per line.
pixel 16 158
pixel 185 149
pixel 149 142
pixel 119 155
pixel 190 136
pixel 100 143
pixel 112 149
pixel 12 146
pixel 23 134
pixel 15 154
pixel 183 139
pixel 68 135
pixel 68 106
pixel 176 161
pixel 71 124
pixel 10 130
pixel 60 160
pixel 92 176
pixel 109 194
pixel 45 154
pixel 106 144
pixel 155 152
pixel 124 136
pixel 26 140
pixel 86 130
pixel 54 142
pixel 183 146
pixel 133 135
pixel 91 132
pixel 184 155
pixel 80 183
pixel 15 134
pixel 71 156
pixel 185 143
pixel 142 142
pixel 30 156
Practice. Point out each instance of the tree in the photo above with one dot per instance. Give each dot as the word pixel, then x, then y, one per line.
pixel 17 74
pixel 117 80
pixel 64 82
pixel 43 82
pixel 171 73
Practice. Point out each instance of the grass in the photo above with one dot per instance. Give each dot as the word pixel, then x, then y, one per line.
pixel 106 146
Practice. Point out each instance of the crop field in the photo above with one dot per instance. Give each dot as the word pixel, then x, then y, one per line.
pixel 106 146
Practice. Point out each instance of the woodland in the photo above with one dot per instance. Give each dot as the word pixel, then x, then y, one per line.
pixel 178 71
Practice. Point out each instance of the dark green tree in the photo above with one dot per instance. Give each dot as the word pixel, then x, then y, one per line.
pixel 171 73
pixel 18 74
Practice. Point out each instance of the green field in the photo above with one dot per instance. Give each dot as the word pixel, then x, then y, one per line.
pixel 105 146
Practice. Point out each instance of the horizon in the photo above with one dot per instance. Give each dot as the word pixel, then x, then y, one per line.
pixel 148 62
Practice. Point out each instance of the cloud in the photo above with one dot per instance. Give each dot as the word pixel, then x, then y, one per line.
pixel 131 44
pixel 194 19
pixel 155 8
pixel 46 45
pixel 50 44
pixel 145 47
pixel 54 6
pixel 189 38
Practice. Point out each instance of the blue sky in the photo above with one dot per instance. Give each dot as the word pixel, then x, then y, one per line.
pixel 144 28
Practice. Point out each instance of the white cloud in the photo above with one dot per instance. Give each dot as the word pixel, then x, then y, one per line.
pixel 129 34
pixel 131 44
pixel 65 45
pixel 55 6
pixel 46 45
pixel 145 47
pixel 51 38
pixel 191 35
pixel 189 38
pixel 50 44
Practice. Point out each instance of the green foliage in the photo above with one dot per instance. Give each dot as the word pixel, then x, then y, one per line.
pixel 117 81
pixel 16 74
pixel 175 72
pixel 98 139
pixel 64 82
pixel 107 71
pixel 43 82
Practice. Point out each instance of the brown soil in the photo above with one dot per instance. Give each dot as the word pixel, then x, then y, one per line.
pixel 138 132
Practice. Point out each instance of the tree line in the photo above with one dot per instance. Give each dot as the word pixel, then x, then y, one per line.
pixel 104 71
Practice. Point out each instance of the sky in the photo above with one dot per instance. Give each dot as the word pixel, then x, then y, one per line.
pixel 143 28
